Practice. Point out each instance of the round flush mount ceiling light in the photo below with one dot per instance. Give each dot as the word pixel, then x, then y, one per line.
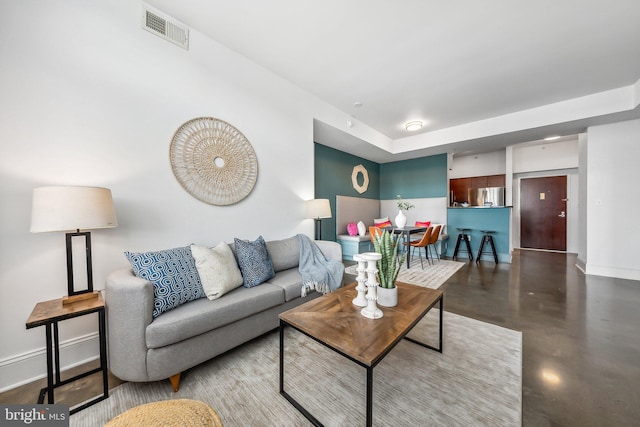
pixel 413 126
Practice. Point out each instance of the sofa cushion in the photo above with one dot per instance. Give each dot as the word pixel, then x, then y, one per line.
pixel 173 274
pixel 379 220
pixel 382 222
pixel 204 315
pixel 254 261
pixel 217 268
pixel 290 281
pixel 284 254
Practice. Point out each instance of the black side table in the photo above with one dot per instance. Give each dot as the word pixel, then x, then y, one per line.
pixel 48 314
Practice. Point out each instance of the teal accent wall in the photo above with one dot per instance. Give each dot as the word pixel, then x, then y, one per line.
pixel 332 175
pixel 477 219
pixel 414 179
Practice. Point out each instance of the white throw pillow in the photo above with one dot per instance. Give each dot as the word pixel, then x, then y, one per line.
pixel 362 229
pixel 218 270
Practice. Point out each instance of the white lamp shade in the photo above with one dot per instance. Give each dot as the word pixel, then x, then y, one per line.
pixel 72 208
pixel 318 208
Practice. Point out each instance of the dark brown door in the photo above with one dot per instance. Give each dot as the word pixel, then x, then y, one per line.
pixel 543 213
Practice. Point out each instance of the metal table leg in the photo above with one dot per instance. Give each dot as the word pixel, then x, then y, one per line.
pixel 440 338
pixel 407 240
pixel 53 365
pixel 286 395
pixel 48 390
pixel 369 396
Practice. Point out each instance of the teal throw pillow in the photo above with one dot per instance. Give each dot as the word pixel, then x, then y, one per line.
pixel 173 274
pixel 254 261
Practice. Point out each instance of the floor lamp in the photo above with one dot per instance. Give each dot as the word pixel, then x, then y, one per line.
pixel 318 209
pixel 69 208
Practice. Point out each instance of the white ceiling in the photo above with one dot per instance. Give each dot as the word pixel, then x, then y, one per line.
pixel 463 67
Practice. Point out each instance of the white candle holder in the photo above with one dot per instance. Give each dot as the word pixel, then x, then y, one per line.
pixel 360 299
pixel 371 311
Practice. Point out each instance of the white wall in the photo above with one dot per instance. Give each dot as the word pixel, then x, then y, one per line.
pixel 613 228
pixel 548 159
pixel 573 211
pixel 493 163
pixel 584 215
pixel 549 156
pixel 89 98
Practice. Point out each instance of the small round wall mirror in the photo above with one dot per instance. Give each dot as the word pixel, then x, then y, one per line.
pixel 355 179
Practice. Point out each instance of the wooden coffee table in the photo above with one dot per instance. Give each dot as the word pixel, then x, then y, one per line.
pixel 333 321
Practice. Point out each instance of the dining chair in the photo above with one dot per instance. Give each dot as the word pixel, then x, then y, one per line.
pixel 422 243
pixel 373 233
pixel 433 239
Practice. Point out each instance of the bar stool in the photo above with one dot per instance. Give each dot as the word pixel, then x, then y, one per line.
pixel 463 235
pixel 487 238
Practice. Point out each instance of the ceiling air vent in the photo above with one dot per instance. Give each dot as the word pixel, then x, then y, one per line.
pixel 162 26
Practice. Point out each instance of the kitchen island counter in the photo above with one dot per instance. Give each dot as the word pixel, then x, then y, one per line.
pixel 478 218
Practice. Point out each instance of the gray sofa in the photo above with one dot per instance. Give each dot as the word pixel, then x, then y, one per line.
pixel 143 348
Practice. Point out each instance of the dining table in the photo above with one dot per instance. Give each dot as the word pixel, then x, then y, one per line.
pixel 406 231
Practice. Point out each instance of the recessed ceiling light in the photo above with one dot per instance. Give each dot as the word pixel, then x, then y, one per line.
pixel 357 104
pixel 413 126
pixel 551 138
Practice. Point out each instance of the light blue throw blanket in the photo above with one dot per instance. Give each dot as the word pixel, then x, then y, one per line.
pixel 318 273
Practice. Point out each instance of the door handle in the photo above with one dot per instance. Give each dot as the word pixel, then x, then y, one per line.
pixel 562 215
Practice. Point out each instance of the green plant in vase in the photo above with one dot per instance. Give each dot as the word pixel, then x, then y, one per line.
pixel 387 244
pixel 402 205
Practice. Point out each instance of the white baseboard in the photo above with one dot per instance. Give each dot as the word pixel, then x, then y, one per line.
pixel 31 366
pixel 617 272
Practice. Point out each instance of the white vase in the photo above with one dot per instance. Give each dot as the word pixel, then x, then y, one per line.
pixel 401 219
pixel 362 229
pixel 388 297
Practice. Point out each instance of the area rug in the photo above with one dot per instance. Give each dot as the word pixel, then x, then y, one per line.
pixel 432 276
pixel 476 381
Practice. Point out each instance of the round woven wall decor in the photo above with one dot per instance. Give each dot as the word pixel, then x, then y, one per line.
pixel 213 161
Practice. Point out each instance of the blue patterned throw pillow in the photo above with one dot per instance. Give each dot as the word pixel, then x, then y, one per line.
pixel 173 274
pixel 254 261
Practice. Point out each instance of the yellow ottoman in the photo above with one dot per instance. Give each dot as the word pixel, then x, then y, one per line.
pixel 170 413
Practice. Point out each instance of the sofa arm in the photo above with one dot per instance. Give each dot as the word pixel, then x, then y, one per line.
pixel 331 250
pixel 129 302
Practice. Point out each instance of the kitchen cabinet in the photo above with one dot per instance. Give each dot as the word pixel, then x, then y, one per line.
pixel 496 181
pixel 459 187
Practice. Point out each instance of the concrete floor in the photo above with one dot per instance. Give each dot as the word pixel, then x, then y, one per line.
pixel 581 343
pixel 581 338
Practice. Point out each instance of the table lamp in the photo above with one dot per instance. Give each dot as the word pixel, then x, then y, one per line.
pixel 69 208
pixel 318 209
